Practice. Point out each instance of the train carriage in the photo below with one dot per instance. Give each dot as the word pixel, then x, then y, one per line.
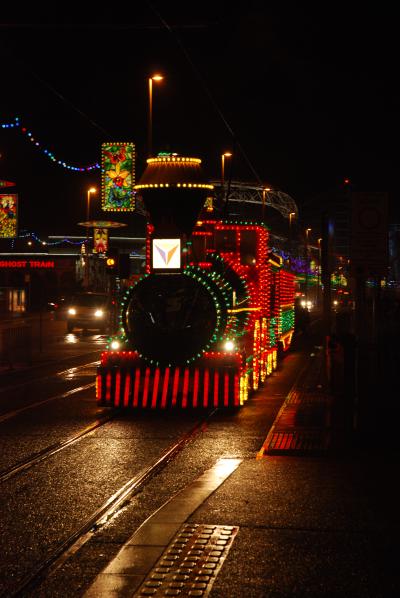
pixel 203 326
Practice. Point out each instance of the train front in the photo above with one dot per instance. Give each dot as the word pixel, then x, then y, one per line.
pixel 174 347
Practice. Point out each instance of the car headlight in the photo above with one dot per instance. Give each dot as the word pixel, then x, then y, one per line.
pixel 72 311
pixel 99 313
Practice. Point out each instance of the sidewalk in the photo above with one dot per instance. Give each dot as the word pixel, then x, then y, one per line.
pixel 313 515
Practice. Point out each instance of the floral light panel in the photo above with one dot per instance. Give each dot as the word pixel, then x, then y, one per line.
pixel 8 216
pixel 100 240
pixel 118 177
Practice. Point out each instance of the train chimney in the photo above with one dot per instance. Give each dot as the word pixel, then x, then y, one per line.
pixel 174 192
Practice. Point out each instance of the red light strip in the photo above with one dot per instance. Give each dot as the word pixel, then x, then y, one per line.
pixel 146 387
pixel 206 387
pixel 195 387
pixel 185 387
pixel 108 387
pixel 216 388
pixel 236 391
pixel 155 388
pixel 226 390
pixel 175 386
pixel 127 390
pixel 165 388
pixel 117 389
pixel 136 389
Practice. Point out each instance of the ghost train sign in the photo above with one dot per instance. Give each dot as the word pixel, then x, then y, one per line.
pixel 369 234
pixel 27 264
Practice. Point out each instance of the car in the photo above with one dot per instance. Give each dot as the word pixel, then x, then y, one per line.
pixel 89 311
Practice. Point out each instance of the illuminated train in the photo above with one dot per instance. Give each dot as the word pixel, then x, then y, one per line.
pixel 203 326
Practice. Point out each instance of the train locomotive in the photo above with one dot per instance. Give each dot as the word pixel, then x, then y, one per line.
pixel 204 325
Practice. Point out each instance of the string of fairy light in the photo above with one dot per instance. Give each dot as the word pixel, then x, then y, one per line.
pixel 33 236
pixel 18 125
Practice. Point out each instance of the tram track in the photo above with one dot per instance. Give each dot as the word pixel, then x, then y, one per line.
pixel 49 451
pixel 72 391
pixel 66 548
pixel 69 370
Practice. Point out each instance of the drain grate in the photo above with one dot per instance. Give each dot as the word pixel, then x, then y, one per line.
pixel 191 562
pixel 302 441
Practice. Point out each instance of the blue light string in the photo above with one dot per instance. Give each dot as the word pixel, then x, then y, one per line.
pixel 48 243
pixel 16 124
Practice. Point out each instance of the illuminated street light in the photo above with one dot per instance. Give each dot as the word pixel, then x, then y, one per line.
pixel 308 230
pixel 223 156
pixel 156 78
pixel 89 193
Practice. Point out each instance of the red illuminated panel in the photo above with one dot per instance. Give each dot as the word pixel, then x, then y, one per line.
pixel 236 398
pixel 108 387
pixel 117 388
pixel 155 388
pixel 127 390
pixel 146 387
pixel 206 387
pixel 175 386
pixel 216 385
pixel 226 390
pixel 136 388
pixel 165 388
pixel 195 387
pixel 185 387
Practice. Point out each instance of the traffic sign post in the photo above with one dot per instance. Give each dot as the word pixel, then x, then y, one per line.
pixel 369 254
pixel 369 240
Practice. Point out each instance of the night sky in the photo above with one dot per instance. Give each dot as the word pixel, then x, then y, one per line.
pixel 303 98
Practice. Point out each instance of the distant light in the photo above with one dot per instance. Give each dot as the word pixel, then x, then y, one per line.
pixel 72 311
pixel 115 345
pixel 229 346
pixel 347 181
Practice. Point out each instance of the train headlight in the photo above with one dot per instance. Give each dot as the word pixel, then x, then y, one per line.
pixel 99 313
pixel 229 346
pixel 115 345
pixel 72 311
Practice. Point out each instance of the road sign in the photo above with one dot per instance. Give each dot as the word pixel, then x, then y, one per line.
pixel 369 234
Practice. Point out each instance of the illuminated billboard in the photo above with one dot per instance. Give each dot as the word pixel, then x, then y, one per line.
pixel 166 253
pixel 118 177
pixel 100 240
pixel 8 216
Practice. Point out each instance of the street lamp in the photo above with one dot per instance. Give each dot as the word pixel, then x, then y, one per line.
pixel 89 192
pixel 319 270
pixel 150 127
pixel 223 156
pixel 308 230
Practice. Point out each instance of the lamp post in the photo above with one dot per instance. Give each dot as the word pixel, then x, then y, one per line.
pixel 150 125
pixel 308 230
pixel 223 156
pixel 319 271
pixel 89 192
